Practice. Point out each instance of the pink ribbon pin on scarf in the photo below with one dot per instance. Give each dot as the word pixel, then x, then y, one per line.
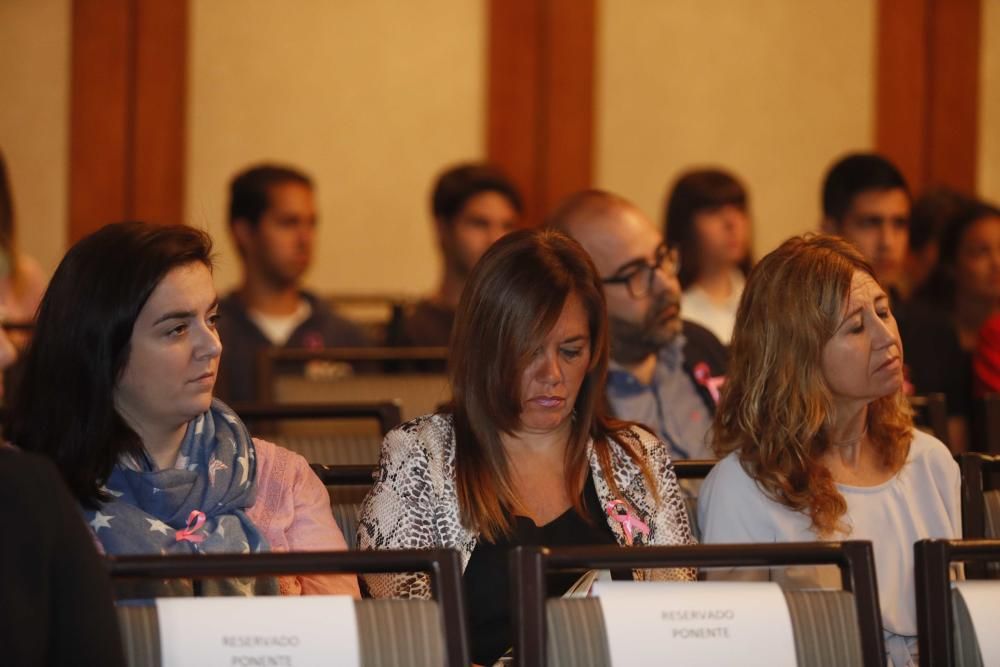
pixel 703 376
pixel 621 513
pixel 195 521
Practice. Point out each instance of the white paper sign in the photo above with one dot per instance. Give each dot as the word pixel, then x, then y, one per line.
pixel 983 600
pixel 702 624
pixel 250 632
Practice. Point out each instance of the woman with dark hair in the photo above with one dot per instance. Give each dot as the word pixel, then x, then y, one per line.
pixel 966 282
pixel 527 454
pixel 814 432
pixel 708 221
pixel 117 391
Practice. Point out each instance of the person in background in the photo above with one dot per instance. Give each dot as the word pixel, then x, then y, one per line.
pixel 527 455
pixel 866 200
pixel 22 281
pixel 932 213
pixel 473 205
pixel 272 218
pixel 966 282
pixel 664 371
pixel 815 435
pixel 117 391
pixel 707 218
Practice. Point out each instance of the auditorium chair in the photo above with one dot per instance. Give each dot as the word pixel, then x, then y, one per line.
pixel 946 634
pixel 347 486
pixel 830 627
pixel 393 633
pixel 336 375
pixel 694 470
pixel 326 433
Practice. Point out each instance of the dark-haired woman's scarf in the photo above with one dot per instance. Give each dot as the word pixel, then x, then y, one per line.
pixel 198 506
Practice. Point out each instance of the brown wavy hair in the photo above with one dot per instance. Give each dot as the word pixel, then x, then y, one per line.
pixel 512 299
pixel 775 405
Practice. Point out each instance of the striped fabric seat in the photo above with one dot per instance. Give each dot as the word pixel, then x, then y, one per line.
pixel 965 641
pixel 824 624
pixel 418 393
pixel 347 516
pixel 333 449
pixel 393 633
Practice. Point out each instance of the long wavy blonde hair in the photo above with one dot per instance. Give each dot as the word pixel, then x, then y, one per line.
pixel 776 407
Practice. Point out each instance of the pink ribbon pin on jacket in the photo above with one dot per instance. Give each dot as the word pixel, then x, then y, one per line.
pixel 620 512
pixel 703 376
pixel 194 523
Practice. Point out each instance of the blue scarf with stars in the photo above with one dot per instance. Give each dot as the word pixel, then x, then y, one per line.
pixel 198 506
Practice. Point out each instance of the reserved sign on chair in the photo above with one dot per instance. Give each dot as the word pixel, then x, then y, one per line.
pixel 239 631
pixel 697 624
pixel 982 599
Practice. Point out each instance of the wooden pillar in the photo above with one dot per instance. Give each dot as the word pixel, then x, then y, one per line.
pixel 541 97
pixel 927 96
pixel 127 109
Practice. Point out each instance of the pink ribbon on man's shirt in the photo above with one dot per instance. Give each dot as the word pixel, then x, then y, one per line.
pixel 621 513
pixel 194 523
pixel 703 376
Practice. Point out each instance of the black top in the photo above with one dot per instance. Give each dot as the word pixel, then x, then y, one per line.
pixel 55 599
pixel 487 574
pixel 934 359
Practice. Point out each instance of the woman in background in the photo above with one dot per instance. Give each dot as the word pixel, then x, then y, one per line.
pixel 528 454
pixel 22 282
pixel 815 435
pixel 117 391
pixel 708 222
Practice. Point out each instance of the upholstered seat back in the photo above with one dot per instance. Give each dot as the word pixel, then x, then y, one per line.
pixel 824 624
pixel 393 633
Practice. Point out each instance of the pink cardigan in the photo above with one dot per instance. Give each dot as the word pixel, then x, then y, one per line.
pixel 293 512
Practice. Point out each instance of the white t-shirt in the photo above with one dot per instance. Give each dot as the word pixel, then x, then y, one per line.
pixel 717 317
pixel 922 501
pixel 279 328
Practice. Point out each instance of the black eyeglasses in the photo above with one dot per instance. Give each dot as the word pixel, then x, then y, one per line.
pixel 637 276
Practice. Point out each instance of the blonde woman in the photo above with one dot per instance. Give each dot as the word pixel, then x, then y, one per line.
pixel 815 435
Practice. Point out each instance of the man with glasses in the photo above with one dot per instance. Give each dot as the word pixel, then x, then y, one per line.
pixel 664 372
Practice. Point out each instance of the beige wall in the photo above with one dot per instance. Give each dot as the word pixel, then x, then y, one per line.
pixel 34 117
pixel 988 181
pixel 372 97
pixel 772 89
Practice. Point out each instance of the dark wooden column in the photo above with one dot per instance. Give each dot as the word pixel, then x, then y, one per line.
pixel 127 111
pixel 540 118
pixel 927 97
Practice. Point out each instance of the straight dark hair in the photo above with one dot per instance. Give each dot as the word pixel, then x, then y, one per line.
pixel 513 298
pixel 854 174
pixel 64 406
pixel 695 192
pixel 458 184
pixel 250 190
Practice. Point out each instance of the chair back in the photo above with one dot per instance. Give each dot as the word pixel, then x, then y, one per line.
pixel 830 627
pixel 691 473
pixel 944 627
pixel 393 633
pixel 380 374
pixel 328 433
pixel 347 486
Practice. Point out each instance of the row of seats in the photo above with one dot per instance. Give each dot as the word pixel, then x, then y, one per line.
pixel 347 486
pixel 829 627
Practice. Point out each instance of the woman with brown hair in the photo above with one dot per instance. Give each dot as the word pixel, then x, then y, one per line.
pixel 816 438
pixel 527 454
